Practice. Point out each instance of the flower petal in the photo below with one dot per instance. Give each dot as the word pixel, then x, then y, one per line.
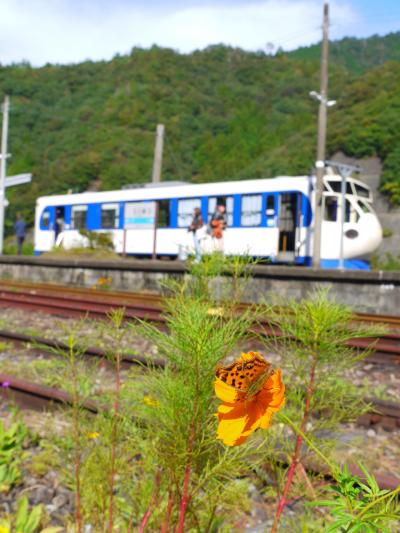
pixel 271 398
pixel 237 421
pixel 225 392
pixel 232 423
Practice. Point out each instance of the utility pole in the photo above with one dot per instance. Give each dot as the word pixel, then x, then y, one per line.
pixel 158 153
pixel 3 167
pixel 322 118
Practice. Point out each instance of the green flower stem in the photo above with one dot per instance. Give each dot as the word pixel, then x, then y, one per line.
pixel 283 418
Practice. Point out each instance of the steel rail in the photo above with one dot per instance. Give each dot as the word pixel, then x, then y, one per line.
pixel 61 304
pixel 87 351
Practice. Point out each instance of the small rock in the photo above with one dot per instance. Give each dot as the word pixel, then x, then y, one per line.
pixel 51 508
pixel 59 501
pixel 251 489
pixel 6 507
pixel 29 481
pixel 371 433
pixel 41 495
pixel 51 475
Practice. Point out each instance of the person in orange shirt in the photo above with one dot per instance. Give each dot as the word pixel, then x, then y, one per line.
pixel 218 225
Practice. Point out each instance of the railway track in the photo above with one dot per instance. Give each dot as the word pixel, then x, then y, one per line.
pixel 146 300
pixel 36 396
pixel 383 413
pixel 95 303
pixel 78 302
pixel 29 395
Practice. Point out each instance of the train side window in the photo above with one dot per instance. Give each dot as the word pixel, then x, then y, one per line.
pixel 109 216
pixel 365 207
pixel 163 220
pixel 185 211
pixel 362 191
pixel 330 208
pixel 78 216
pixel 351 214
pixel 270 210
pixel 45 219
pixel 270 206
pixel 251 210
pixel 226 201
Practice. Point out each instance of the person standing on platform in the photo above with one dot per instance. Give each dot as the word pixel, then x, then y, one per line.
pixel 218 225
pixel 20 232
pixel 196 224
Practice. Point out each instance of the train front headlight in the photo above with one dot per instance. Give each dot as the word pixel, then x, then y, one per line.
pixel 351 233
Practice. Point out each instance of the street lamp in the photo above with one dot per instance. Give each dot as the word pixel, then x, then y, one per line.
pixel 319 98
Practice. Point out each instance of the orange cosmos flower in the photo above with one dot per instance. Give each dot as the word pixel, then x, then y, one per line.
pixel 251 393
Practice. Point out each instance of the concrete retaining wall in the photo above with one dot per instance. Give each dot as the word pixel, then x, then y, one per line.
pixel 371 292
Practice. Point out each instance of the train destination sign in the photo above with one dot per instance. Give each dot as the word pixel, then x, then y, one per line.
pixel 139 215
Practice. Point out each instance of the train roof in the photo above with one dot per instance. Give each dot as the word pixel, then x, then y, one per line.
pixel 186 190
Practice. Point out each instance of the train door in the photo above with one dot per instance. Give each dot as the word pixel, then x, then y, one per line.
pixel 59 223
pixel 289 222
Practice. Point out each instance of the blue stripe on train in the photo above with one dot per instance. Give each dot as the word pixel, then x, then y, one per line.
pixel 351 264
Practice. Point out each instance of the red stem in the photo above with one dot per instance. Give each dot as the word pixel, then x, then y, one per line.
pixel 114 443
pixel 145 519
pixel 164 526
pixel 153 501
pixel 296 454
pixel 185 496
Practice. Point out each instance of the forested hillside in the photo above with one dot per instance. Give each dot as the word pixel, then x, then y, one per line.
pixel 229 114
pixel 357 55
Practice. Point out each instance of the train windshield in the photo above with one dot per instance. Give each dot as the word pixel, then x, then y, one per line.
pixel 356 189
pixel 336 186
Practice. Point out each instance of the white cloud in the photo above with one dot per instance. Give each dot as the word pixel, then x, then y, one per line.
pixel 65 31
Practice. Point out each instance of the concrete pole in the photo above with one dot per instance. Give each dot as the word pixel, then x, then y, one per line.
pixel 158 153
pixel 320 163
pixel 3 167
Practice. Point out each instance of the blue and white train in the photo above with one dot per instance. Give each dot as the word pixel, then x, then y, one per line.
pixel 269 218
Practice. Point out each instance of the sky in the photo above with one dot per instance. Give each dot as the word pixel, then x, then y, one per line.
pixel 72 31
